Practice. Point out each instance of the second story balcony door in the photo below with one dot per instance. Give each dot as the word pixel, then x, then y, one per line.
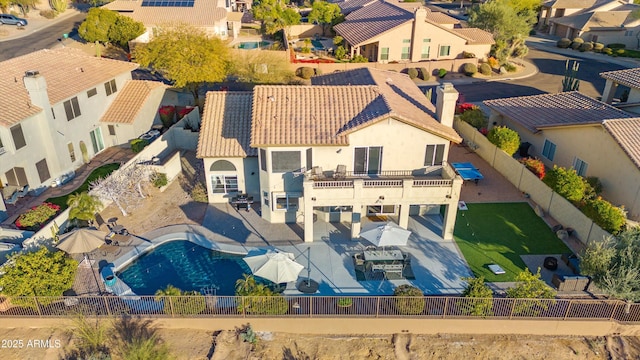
pixel 367 160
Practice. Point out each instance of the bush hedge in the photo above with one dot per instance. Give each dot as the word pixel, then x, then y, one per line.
pixel 159 179
pixel 566 182
pixel 510 67
pixel 475 117
pixel 412 72
pixel 535 166
pixel 442 73
pixel 424 74
pixel 575 44
pixel 485 69
pixel 588 46
pixel 598 47
pixel 410 300
pixel 138 144
pixel 469 69
pixel 564 43
pixel 468 55
pixel 610 218
pixel 616 46
pixel 504 138
pixel 306 72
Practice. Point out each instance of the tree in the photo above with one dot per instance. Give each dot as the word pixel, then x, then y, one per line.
pixel 510 22
pixel 482 302
pixel 113 189
pixel 409 300
pixel 97 25
pixel 566 182
pixel 570 81
pixel 83 206
pixel 25 5
pixel 39 273
pixel 59 6
pixel 530 286
pixel 610 218
pixel 262 67
pixel 505 139
pixel 275 15
pixel 4 5
pixel 124 30
pixel 185 55
pixel 324 13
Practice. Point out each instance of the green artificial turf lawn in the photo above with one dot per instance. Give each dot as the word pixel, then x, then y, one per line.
pixel 101 172
pixel 498 234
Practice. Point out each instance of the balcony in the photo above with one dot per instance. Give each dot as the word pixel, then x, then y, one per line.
pixel 427 185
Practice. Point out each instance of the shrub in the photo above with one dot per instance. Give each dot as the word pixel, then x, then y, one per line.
pixel 482 302
pixel 412 72
pixel 535 166
pixel 48 14
pixel 424 74
pixel 442 73
pixel 138 144
pixel 510 67
pixel 504 138
pixel 566 182
pixel 305 50
pixel 340 52
pixel 359 59
pixel 576 43
pixel 306 72
pixel 464 107
pixel 610 218
pixel 468 55
pixel 598 47
pixel 159 179
pixel 493 62
pixel 588 46
pixel 593 188
pixel 475 117
pixel 607 51
pixel 34 218
pixel 259 299
pixel 520 51
pixel 469 69
pixel 167 114
pixel 616 46
pixel 619 52
pixel 410 300
pixel 485 69
pixel 180 302
pixel 199 193
pixel 530 286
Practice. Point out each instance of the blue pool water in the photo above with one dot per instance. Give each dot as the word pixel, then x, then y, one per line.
pixel 250 45
pixel 186 266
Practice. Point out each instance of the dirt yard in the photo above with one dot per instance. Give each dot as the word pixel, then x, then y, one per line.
pixel 195 344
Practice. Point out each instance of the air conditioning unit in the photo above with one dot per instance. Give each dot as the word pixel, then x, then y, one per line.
pixel 31 73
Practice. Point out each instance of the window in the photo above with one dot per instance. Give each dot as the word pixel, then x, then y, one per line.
pixel 96 140
pixel 92 92
pixel 384 53
pixel 373 210
pixel 426 40
pixel 445 50
pixel 18 137
pixel 265 198
pixel 309 159
pixel 286 202
pixel 110 87
pixel 434 155
pixel 580 167
pixel 367 160
pixel 43 170
pixel 406 41
pixel 72 108
pixel 628 33
pixel 405 53
pixel 549 149
pixel 224 184
pixel 2 150
pixel 16 176
pixel 285 161
pixel 263 160
pixel 72 152
pixel 112 129
pixel 425 52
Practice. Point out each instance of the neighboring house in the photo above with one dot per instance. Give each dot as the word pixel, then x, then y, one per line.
pixel 629 78
pixel 385 31
pixel 129 114
pixel 51 102
pixel 357 143
pixel 573 130
pixel 214 17
pixel 554 9
pixel 611 22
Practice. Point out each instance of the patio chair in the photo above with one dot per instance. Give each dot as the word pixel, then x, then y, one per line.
pixel 316 173
pixel 341 172
pixel 23 192
pixel 100 221
pixel 359 260
pixel 13 199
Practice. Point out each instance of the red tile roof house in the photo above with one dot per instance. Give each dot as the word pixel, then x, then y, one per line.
pixel 386 31
pixel 358 143
pixel 573 130
pixel 61 107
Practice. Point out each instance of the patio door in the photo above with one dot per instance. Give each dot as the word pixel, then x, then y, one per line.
pixel 367 160
pixel 16 177
pixel 96 140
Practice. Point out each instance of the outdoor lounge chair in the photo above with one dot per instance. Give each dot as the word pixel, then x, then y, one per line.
pixel 13 199
pixel 341 172
pixel 100 221
pixel 23 192
pixel 316 173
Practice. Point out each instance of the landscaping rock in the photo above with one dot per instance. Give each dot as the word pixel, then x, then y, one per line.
pixel 538 210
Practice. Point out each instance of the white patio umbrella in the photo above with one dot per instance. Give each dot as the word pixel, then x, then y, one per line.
pixel 388 234
pixel 275 266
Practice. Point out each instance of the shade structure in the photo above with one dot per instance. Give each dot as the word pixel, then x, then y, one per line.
pixel 388 234
pixel 275 266
pixel 81 241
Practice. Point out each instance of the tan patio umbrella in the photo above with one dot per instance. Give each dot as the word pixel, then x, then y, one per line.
pixel 81 241
pixel 388 234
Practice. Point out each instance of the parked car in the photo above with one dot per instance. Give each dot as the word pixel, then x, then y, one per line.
pixel 12 20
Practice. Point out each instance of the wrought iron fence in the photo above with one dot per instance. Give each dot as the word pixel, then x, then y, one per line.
pixel 320 306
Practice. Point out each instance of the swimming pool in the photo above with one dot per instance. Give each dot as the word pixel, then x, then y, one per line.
pixel 250 45
pixel 186 266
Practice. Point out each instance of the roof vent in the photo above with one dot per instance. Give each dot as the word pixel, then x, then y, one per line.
pixel 31 73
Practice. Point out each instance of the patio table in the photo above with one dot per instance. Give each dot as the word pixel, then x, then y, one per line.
pixel 467 171
pixel 383 255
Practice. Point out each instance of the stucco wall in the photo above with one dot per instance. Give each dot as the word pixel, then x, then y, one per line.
pixel 304 31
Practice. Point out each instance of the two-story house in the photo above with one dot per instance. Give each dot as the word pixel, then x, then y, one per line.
pixel 353 144
pixel 385 31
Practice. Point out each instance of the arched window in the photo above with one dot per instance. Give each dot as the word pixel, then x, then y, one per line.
pixel 224 178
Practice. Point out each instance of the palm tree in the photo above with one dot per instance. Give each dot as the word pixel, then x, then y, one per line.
pixel 170 290
pixel 246 285
pixel 83 206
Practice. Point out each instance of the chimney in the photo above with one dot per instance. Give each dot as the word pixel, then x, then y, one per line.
pixel 36 86
pixel 446 98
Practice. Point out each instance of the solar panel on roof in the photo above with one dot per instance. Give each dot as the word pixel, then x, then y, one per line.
pixel 166 3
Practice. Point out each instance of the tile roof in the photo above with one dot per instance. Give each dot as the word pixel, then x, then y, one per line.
pixel 440 18
pixel 627 77
pixel 595 20
pixel 226 125
pixel 348 6
pixel 550 110
pixel 130 100
pixel 202 13
pixel 404 99
pixel 370 21
pixel 627 133
pixel 475 36
pixel 570 4
pixel 67 72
